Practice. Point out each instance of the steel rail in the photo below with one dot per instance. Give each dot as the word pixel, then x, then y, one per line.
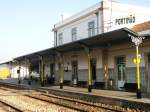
pixel 67 99
pixel 72 101
pixel 11 106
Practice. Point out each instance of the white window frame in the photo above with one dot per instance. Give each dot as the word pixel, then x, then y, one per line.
pixel 74 34
pixel 60 38
pixel 91 28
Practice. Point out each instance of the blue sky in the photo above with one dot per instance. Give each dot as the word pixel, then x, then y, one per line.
pixel 25 25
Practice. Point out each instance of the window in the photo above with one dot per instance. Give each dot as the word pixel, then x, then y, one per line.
pixel 60 38
pixel 91 28
pixel 74 34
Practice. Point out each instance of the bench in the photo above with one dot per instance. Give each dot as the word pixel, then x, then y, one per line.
pixel 66 82
pixel 100 85
pixel 51 80
pixel 130 87
pixel 82 83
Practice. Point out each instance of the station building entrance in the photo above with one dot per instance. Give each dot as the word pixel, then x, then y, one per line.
pixel 120 64
pixel 74 72
pixel 93 70
pixel 148 72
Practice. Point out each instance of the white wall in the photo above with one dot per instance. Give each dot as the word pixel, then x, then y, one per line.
pixel 118 10
pixel 111 12
pixel 128 51
pixel 81 58
pixel 24 72
pixel 82 29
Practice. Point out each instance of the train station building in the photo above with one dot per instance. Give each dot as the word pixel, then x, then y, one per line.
pixel 93 48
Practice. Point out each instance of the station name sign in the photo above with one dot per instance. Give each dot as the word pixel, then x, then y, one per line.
pixel 125 20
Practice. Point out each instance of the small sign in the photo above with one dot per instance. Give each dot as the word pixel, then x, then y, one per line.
pixel 135 62
pixel 18 71
pixel 125 20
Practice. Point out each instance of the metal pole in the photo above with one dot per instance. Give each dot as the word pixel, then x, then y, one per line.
pixel 89 74
pixel 61 76
pixel 138 73
pixel 19 79
pixel 41 70
pixel 42 73
pixel 137 41
pixel 29 68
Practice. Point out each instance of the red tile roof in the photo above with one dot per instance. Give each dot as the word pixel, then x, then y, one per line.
pixel 141 27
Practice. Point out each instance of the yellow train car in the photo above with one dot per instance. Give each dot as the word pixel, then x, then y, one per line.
pixel 4 72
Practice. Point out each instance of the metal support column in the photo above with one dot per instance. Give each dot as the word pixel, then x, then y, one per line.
pixel 105 66
pixel 89 73
pixel 138 72
pixel 54 75
pixel 54 72
pixel 28 66
pixel 18 72
pixel 41 70
pixel 60 70
pixel 19 77
pixel 87 50
pixel 61 75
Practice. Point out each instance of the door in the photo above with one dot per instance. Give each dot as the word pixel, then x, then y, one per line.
pixel 51 78
pixel 43 73
pixel 75 72
pixel 93 70
pixel 149 72
pixel 51 70
pixel 121 71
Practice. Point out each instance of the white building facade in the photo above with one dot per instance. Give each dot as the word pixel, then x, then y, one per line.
pixel 99 18
pixel 79 41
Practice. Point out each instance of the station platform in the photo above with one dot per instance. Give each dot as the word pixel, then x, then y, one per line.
pixel 120 98
pixel 104 93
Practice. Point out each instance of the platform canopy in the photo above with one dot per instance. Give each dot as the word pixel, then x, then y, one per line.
pixel 103 40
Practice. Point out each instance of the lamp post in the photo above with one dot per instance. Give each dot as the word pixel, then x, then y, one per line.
pixel 89 74
pixel 60 58
pixel 137 41
pixel 19 79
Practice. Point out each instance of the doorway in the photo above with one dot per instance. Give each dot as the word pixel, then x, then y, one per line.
pixel 120 64
pixel 149 72
pixel 52 73
pixel 93 70
pixel 74 72
pixel 51 70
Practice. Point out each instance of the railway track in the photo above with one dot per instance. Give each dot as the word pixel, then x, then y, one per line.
pixel 74 103
pixel 12 92
pixel 69 103
pixel 7 107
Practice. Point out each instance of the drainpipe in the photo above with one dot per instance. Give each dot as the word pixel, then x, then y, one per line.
pixel 102 17
pixel 55 37
pixel 97 15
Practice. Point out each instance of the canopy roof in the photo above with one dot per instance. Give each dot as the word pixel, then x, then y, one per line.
pixel 101 40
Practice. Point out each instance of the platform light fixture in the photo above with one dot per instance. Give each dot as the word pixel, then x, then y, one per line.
pixel 137 41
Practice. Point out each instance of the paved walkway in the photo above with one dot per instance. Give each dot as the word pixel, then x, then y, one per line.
pixel 105 93
pixel 23 82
